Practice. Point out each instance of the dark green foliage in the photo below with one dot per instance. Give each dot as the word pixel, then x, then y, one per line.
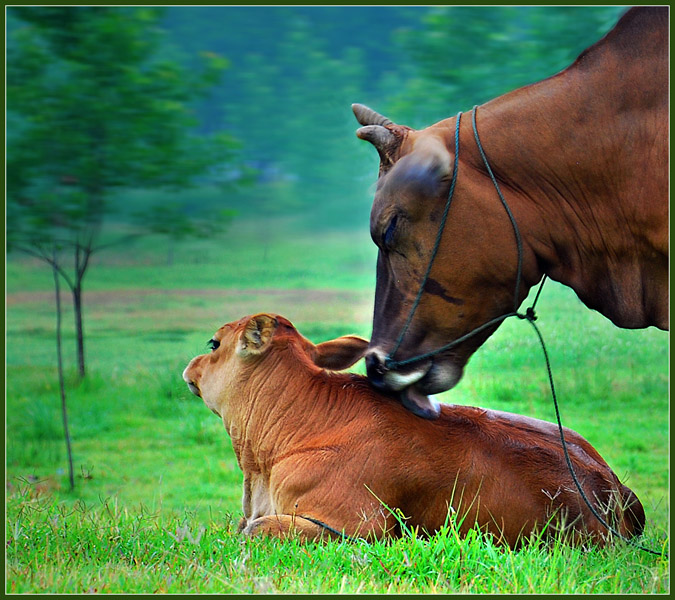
pixel 93 105
pixel 294 72
pixel 469 55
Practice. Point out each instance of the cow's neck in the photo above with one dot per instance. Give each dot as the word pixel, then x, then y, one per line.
pixel 590 209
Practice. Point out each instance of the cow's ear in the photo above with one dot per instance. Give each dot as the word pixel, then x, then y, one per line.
pixel 340 353
pixel 256 335
pixel 422 171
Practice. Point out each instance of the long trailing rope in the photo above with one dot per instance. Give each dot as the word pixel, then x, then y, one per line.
pixel 529 315
pixel 531 320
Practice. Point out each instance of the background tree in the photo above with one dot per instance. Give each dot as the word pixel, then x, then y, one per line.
pixel 296 122
pixel 177 222
pixel 96 102
pixel 465 56
pixel 62 386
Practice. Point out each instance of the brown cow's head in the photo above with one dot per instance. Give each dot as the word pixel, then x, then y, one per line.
pixel 240 347
pixel 473 276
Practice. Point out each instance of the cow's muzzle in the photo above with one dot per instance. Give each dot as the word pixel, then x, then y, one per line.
pixel 393 380
pixel 404 383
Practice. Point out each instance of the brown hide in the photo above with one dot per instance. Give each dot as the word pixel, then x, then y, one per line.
pixel 314 444
pixel 582 160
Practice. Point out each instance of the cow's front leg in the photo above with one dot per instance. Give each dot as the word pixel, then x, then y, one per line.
pixel 289 526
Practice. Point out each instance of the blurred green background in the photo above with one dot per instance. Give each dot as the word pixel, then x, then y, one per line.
pixel 249 107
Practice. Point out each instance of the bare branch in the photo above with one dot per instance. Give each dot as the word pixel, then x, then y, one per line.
pixel 41 253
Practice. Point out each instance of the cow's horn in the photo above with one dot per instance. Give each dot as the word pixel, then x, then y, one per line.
pixel 377 135
pixel 367 116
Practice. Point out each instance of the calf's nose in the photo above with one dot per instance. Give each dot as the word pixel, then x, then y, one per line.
pixel 191 383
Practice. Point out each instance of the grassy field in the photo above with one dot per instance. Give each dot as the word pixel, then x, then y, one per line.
pixel 158 491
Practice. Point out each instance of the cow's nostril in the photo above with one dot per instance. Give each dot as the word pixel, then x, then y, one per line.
pixel 375 369
pixel 375 364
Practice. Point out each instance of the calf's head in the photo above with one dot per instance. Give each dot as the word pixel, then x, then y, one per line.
pixel 240 347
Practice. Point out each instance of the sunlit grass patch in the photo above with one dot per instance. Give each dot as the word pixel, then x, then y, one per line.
pixel 107 547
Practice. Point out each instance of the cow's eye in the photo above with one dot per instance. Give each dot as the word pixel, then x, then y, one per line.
pixel 213 344
pixel 390 232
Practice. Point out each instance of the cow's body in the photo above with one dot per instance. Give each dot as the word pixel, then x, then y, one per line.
pixel 582 161
pixel 319 445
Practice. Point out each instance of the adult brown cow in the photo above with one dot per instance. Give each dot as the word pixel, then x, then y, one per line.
pixel 324 452
pixel 581 159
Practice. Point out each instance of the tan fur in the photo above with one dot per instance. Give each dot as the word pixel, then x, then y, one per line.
pixel 313 443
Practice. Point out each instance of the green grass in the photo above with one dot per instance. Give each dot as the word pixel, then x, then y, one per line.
pixel 158 490
pixel 110 548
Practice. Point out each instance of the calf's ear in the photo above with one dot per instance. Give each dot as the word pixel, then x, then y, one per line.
pixel 256 335
pixel 340 353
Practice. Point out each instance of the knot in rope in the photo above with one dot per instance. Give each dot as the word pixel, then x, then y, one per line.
pixel 529 314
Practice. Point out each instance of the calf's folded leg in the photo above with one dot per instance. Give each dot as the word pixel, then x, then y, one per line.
pixel 289 526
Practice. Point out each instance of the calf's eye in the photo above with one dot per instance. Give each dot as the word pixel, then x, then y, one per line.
pixel 213 344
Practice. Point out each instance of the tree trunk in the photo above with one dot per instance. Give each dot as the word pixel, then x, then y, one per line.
pixel 77 306
pixel 62 387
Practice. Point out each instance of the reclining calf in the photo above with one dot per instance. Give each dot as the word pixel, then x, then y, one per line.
pixel 324 452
